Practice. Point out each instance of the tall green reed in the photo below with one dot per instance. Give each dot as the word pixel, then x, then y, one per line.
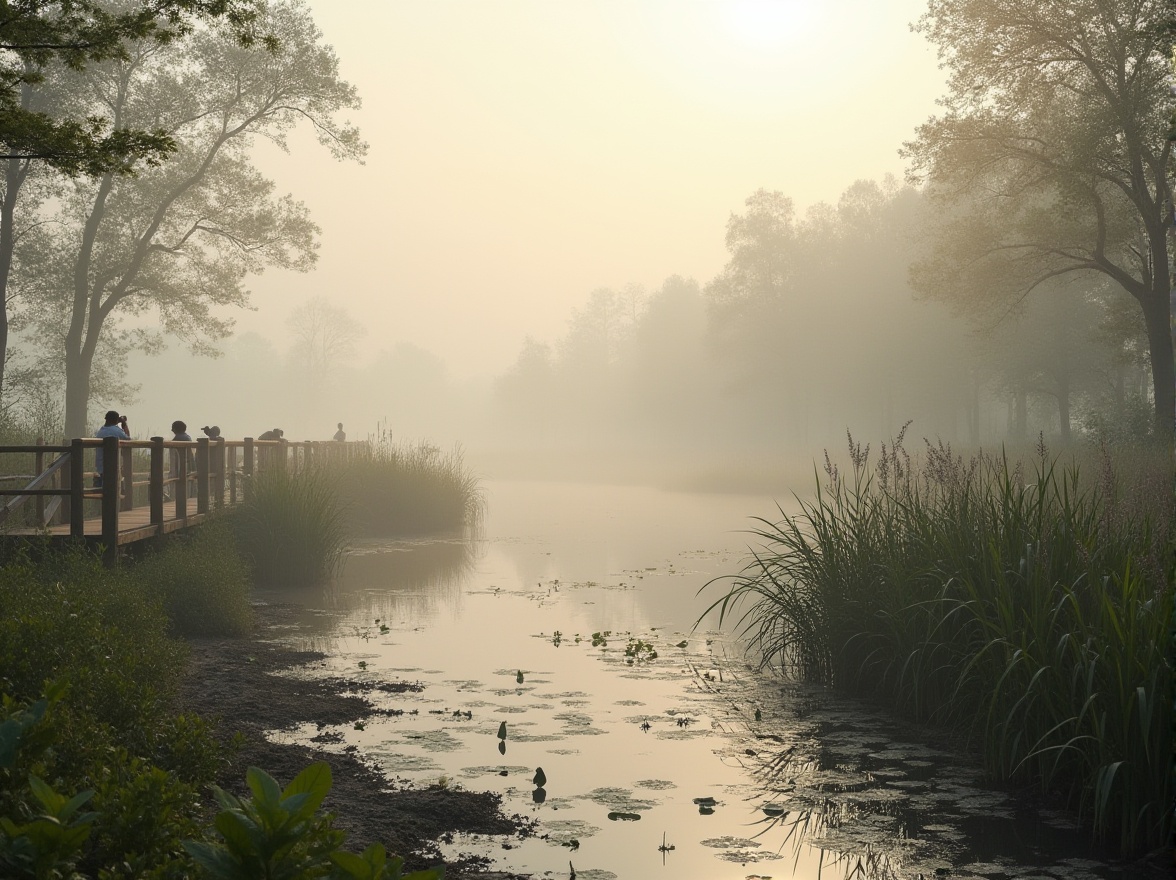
pixel 291 528
pixel 1027 606
pixel 408 489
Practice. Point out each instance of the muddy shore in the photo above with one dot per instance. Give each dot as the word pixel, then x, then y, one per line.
pixel 238 684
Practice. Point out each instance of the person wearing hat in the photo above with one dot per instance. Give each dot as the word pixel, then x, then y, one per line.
pixel 116 426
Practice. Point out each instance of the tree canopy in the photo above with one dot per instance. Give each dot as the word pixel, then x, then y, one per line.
pixel 36 35
pixel 1054 147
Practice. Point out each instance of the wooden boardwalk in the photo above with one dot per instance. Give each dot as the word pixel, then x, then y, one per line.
pixel 148 488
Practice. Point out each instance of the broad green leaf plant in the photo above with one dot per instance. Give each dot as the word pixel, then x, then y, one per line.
pixel 279 834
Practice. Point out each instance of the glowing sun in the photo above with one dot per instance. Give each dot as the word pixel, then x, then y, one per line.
pixel 769 24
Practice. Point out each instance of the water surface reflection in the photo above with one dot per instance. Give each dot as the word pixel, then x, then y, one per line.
pixel 561 639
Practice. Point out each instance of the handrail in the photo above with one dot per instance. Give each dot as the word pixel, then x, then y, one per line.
pixel 34 486
pixel 220 469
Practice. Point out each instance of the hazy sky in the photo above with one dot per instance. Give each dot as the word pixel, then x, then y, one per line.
pixel 524 152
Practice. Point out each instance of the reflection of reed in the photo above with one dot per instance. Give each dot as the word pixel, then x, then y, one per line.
pixel 803 828
pixel 404 580
pixel 818 811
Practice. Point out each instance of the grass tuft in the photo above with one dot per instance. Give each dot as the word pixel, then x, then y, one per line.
pixel 291 529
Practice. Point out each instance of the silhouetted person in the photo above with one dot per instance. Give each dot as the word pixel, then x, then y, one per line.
pixel 212 433
pixel 266 454
pixel 340 435
pixel 116 426
pixel 180 434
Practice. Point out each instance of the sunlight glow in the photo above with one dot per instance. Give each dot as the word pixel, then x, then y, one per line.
pixel 769 24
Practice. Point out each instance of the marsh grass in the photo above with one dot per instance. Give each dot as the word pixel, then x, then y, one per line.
pixel 408 489
pixel 1026 605
pixel 202 581
pixel 292 530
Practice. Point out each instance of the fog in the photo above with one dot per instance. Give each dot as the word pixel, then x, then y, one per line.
pixel 553 250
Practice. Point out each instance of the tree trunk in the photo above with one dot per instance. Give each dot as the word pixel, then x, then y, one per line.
pixel 1064 409
pixel 77 394
pixel 7 244
pixel 1158 319
pixel 974 411
pixel 1020 428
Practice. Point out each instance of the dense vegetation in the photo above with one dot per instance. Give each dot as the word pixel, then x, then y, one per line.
pixel 99 777
pixel 1027 606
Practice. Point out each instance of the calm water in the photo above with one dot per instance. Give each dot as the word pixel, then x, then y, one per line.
pixel 654 766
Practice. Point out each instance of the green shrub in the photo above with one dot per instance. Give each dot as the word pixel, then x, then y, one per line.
pixel 281 835
pixel 98 630
pixel 128 822
pixel 408 490
pixel 202 581
pixel 1031 612
pixel 291 529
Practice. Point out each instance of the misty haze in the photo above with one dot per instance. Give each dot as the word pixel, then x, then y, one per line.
pixel 705 439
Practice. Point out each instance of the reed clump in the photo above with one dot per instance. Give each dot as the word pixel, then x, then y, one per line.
pixel 202 580
pixel 1026 605
pixel 291 527
pixel 408 489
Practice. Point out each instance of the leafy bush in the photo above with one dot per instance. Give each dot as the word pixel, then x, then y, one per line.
pixel 136 814
pixel 408 490
pixel 101 632
pixel 102 724
pixel 202 581
pixel 1030 612
pixel 279 834
pixel 291 529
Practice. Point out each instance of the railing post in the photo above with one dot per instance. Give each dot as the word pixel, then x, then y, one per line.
pixel 283 451
pixel 248 469
pixel 155 481
pixel 77 487
pixel 38 469
pixel 181 485
pixel 217 450
pixel 110 487
pixel 308 446
pixel 202 475
pixel 127 473
pixel 231 465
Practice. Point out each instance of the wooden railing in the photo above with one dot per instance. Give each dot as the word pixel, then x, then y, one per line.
pixel 217 474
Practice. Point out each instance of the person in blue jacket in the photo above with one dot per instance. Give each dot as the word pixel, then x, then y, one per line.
pixel 116 426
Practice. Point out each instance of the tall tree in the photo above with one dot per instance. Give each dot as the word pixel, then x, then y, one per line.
pixel 179 240
pixel 324 338
pixel 1055 137
pixel 36 35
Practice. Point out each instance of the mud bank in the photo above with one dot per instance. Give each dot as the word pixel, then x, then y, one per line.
pixel 238 684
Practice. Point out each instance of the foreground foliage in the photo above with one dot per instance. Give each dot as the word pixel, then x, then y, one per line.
pixel 1030 611
pixel 98 777
pixel 280 834
pixel 88 673
pixel 143 825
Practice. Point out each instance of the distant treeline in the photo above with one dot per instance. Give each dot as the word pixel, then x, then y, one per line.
pixel 831 320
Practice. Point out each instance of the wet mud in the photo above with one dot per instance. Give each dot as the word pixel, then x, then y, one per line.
pixel 236 684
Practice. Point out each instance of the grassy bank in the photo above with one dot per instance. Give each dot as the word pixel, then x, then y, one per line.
pixel 1027 605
